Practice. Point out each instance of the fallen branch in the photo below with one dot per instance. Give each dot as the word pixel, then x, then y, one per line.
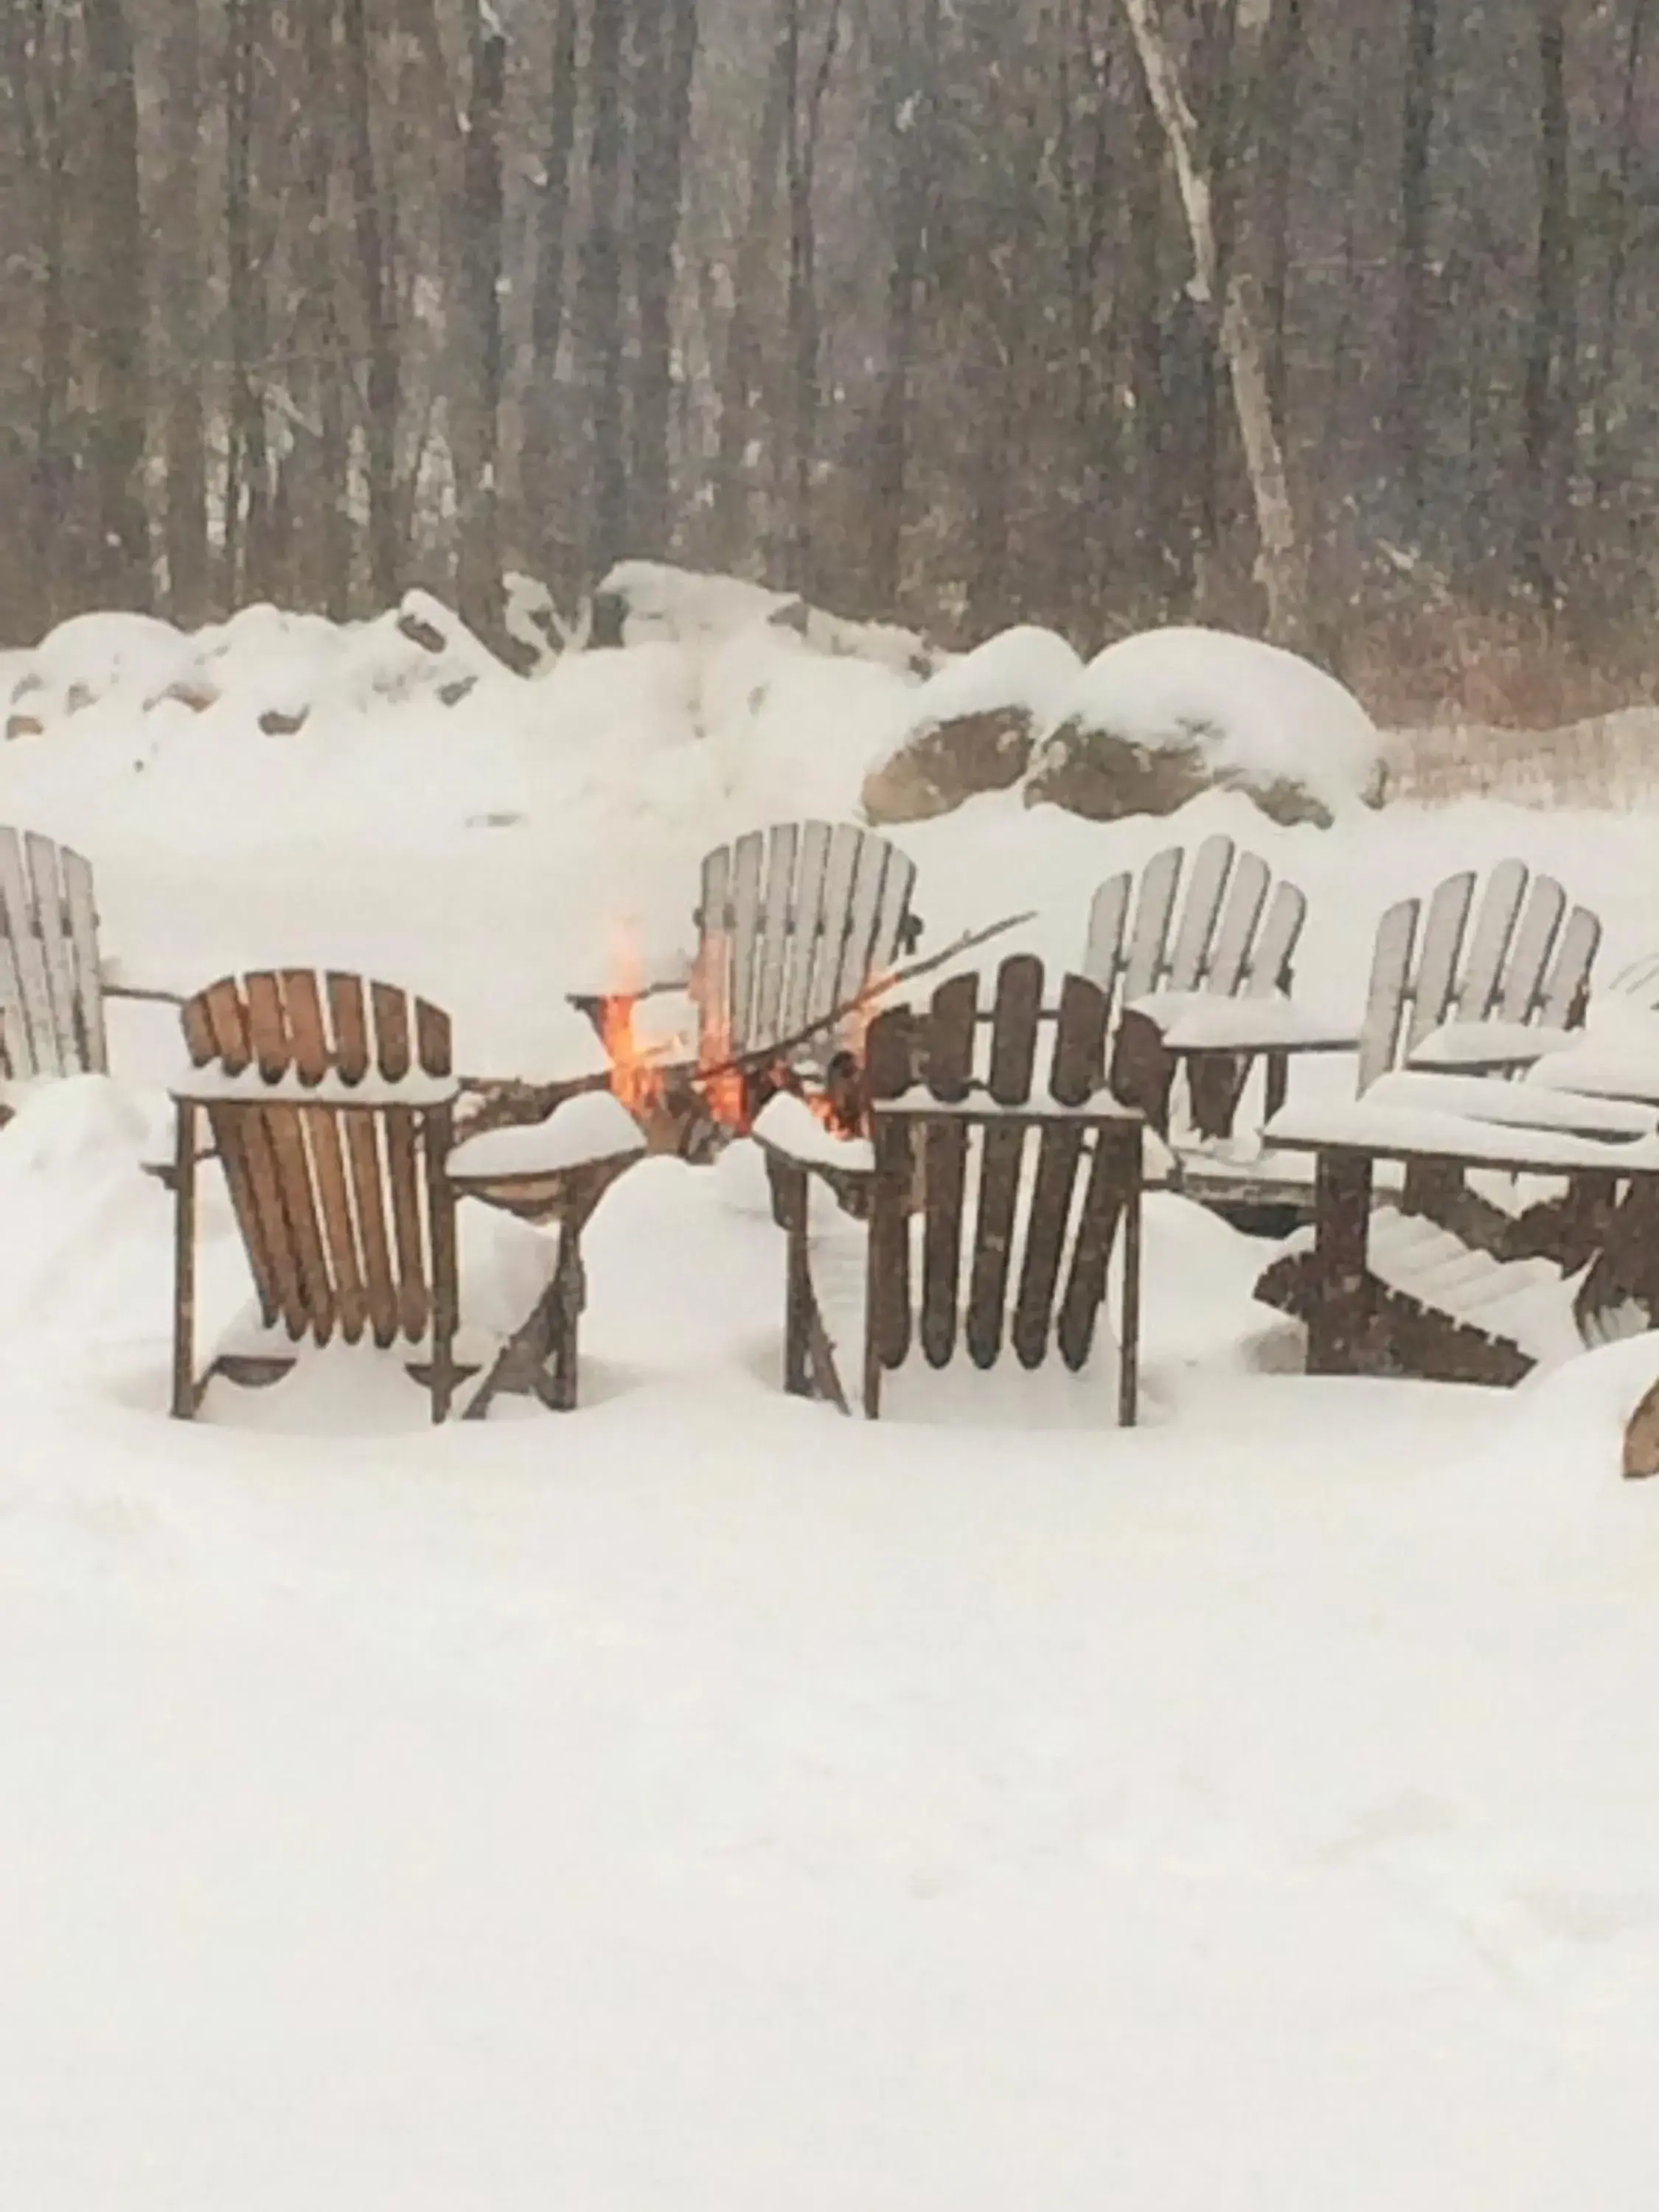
pixel 505 1090
pixel 741 1063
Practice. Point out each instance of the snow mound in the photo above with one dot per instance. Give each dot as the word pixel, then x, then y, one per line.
pixel 638 601
pixel 1156 719
pixel 973 724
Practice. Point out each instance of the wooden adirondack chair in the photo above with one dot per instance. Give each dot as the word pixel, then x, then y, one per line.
pixel 1458 983
pixel 993 1205
pixel 1226 939
pixel 792 922
pixel 330 1102
pixel 1514 958
pixel 51 987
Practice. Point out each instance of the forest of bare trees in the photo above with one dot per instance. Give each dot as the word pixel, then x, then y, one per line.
pixel 898 303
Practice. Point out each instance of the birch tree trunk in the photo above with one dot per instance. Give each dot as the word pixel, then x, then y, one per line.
pixel 1281 564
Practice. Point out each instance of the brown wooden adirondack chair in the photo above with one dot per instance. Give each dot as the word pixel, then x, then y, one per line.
pixel 993 1203
pixel 1225 940
pixel 330 1102
pixel 792 922
pixel 1456 984
pixel 51 985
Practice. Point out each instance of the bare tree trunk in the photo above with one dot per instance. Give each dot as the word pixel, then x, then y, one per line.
pixel 1282 565
pixel 740 357
pixel 1276 105
pixel 476 440
pixel 32 75
pixel 1618 251
pixel 1417 134
pixel 537 474
pixel 912 82
pixel 601 295
pixel 117 294
pixel 323 347
pixel 178 218
pixel 1548 364
pixel 804 121
pixel 381 425
pixel 667 36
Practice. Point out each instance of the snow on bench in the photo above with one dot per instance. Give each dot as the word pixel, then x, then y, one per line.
pixel 1624 1070
pixel 1204 1021
pixel 1472 1045
pixel 1405 1117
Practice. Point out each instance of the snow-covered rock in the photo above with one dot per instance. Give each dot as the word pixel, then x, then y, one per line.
pixel 638 601
pixel 973 724
pixel 1156 719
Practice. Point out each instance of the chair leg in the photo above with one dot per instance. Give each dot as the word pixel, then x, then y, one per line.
pixel 1342 1209
pixel 1128 1385
pixel 184 1395
pixel 446 1288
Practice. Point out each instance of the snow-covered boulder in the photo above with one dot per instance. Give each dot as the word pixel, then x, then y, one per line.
pixel 973 726
pixel 1157 719
pixel 638 601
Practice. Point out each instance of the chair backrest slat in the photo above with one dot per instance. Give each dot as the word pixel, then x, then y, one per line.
pixel 1160 879
pixel 1434 988
pixel 316 1188
pixel 1566 988
pixel 794 923
pixel 81 906
pixel 36 1049
pixel 1235 934
pixel 1490 941
pixel 773 959
pixel 1521 983
pixel 1385 994
pixel 748 857
pixel 1103 952
pixel 1205 886
pixel 994 1230
pixel 1269 968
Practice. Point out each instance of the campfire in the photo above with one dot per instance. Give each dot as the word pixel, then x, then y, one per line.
pixel 687 1100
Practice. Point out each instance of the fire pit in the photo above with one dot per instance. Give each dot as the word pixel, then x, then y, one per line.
pixel 693 1107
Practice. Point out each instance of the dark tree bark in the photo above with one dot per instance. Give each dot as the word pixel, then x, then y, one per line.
pixel 477 431
pixel 1618 249
pixel 1549 366
pixel 740 355
pixel 1411 398
pixel 607 505
pixel 911 78
pixel 384 381
pixel 179 222
pixel 326 475
pixel 667 50
pixel 537 475
pixel 804 126
pixel 116 296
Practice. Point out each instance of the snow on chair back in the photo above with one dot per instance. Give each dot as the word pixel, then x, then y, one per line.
pixel 1515 957
pixel 52 1000
pixel 1221 942
pixel 330 1101
pixel 999 1266
pixel 793 922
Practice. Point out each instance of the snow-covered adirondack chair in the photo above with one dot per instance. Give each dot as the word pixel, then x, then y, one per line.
pixel 1443 1282
pixel 330 1101
pixel 993 1191
pixel 793 922
pixel 1200 978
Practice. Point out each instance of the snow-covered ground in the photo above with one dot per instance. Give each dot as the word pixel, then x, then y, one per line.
pixel 702 1800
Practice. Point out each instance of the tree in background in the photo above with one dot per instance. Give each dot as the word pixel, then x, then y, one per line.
pixel 1334 323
